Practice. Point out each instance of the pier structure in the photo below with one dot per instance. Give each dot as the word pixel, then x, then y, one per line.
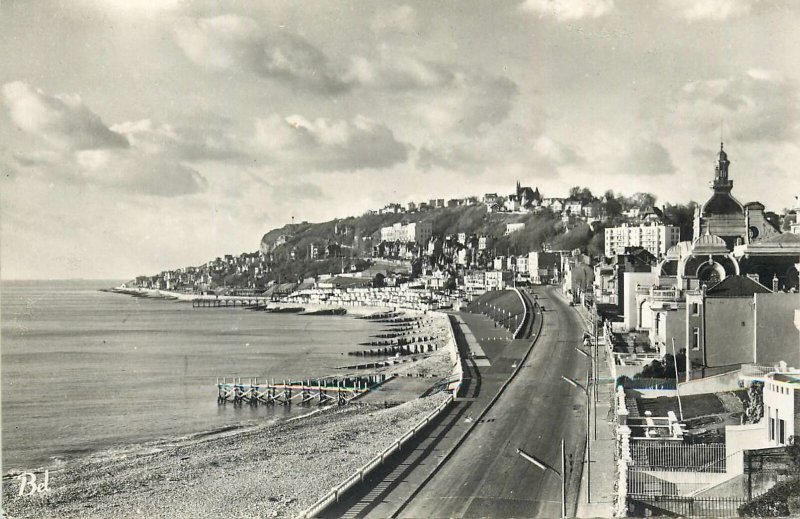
pixel 304 392
pixel 228 301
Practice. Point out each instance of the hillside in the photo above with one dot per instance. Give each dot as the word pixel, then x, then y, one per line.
pixel 359 234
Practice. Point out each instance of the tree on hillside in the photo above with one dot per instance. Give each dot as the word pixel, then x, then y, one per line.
pixel 581 193
pixel 681 216
pixel 644 200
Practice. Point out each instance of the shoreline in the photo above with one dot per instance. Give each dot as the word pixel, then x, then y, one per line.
pixel 79 475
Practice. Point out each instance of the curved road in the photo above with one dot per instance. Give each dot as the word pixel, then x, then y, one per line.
pixel 485 476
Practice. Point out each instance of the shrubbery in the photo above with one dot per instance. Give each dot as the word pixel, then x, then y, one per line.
pixel 775 503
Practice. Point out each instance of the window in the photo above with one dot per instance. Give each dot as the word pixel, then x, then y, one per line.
pixel 771 428
pixel 781 431
pixel 696 339
pixel 695 309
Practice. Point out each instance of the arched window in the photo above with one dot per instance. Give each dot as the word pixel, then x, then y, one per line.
pixel 710 273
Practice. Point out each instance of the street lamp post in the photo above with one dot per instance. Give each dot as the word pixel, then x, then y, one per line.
pixel 561 475
pixel 588 440
pixel 594 384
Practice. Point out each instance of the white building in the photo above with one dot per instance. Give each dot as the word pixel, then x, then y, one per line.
pixel 499 263
pixel 514 227
pixel 657 239
pixel 494 280
pixel 419 232
pixel 780 393
pixel 522 264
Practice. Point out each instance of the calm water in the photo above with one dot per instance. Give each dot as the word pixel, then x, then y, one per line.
pixel 84 370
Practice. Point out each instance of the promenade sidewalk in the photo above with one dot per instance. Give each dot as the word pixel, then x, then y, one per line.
pixel 598 500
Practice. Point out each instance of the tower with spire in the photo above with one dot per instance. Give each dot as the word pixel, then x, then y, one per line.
pixel 722 215
pixel 721 181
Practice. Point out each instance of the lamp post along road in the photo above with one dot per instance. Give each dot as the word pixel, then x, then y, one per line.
pixel 562 475
pixel 593 385
pixel 588 439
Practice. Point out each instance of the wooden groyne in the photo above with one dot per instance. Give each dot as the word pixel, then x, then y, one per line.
pixel 303 392
pixel 402 349
pixel 395 320
pixel 379 315
pixel 327 311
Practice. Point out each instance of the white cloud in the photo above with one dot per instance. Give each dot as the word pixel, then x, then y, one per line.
pixel 694 10
pixel 81 149
pixel 470 104
pixel 401 19
pixel 234 43
pixel 196 139
pixel 647 157
pixel 754 106
pixel 563 10
pixel 555 152
pixel 133 172
pixel 61 120
pixel 295 143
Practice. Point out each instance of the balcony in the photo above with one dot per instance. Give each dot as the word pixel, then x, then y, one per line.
pixel 666 294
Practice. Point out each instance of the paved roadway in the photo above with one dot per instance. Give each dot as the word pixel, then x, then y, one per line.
pixel 484 476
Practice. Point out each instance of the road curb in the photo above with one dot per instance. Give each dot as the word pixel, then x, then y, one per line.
pixel 477 420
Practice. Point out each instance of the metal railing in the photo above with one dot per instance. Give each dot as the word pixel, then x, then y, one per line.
pixel 757 370
pixel 678 506
pixel 708 457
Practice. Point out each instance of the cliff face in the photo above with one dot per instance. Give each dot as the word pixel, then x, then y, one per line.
pixel 358 234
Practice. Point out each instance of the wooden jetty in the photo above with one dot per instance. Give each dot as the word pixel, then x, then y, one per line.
pixel 225 302
pixel 304 392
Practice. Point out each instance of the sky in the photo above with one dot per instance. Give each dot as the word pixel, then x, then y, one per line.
pixel 150 135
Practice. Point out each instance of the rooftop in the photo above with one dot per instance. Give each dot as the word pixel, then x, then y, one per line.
pixel 737 286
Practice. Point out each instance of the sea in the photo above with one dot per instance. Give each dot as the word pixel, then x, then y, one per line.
pixel 85 371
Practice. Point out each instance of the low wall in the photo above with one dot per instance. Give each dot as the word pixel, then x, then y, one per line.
pixel 714 384
pixel 456 378
pixel 358 476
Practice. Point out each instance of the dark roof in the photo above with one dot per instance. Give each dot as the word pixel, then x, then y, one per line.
pixel 737 286
pixel 722 203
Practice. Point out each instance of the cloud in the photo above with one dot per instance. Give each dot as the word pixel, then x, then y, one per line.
pixel 400 72
pixel 399 19
pixel 63 121
pixel 231 43
pixel 754 106
pixel 694 10
pixel 556 153
pixel 295 142
pixel 132 172
pixel 195 139
pixel 80 149
pixel 470 104
pixel 563 10
pixel 295 191
pixel 648 157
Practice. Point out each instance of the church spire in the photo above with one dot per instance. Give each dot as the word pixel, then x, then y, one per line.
pixel 721 181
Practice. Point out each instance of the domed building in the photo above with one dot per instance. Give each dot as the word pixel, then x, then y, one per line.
pixel 722 215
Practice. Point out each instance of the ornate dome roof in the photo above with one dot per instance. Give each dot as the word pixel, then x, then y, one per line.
pixel 709 244
pixel 722 203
